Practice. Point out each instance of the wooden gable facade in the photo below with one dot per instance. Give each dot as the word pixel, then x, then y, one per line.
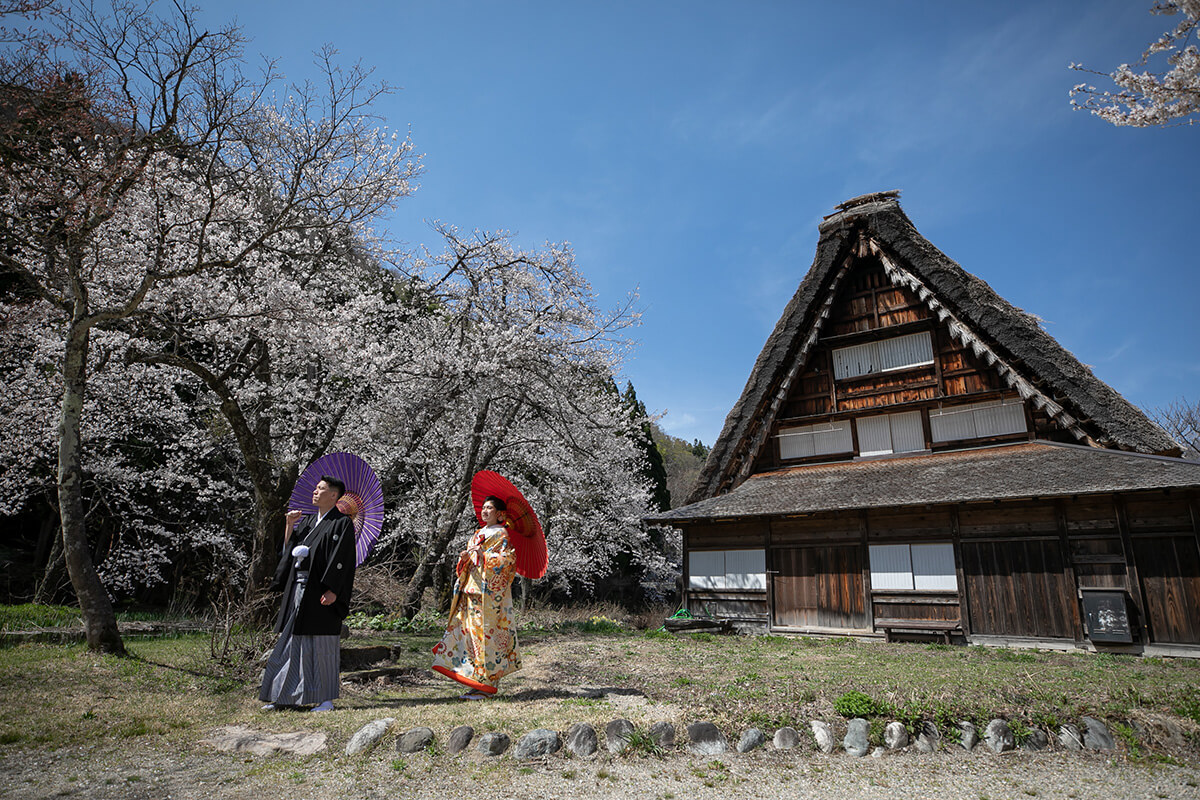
pixel 913 456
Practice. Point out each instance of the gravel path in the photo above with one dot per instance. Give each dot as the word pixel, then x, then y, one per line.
pixel 148 773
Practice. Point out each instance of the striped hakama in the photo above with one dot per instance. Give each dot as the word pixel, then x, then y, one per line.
pixel 302 670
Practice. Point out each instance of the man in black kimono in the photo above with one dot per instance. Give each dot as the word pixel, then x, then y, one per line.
pixel 316 573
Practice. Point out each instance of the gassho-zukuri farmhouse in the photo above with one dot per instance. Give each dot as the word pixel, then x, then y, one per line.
pixel 914 457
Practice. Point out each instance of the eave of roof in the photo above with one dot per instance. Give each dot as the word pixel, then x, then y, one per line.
pixel 1008 472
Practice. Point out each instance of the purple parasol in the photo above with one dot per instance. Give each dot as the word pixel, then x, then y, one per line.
pixel 362 502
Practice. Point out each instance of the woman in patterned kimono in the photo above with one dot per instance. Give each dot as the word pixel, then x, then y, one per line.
pixel 480 643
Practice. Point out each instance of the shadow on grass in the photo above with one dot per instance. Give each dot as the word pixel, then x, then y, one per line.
pixel 226 681
pixel 519 696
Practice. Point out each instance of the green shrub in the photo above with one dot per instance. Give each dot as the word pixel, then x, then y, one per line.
pixel 945 719
pixel 641 743
pixel 1046 720
pixel 393 622
pixel 856 704
pixel 772 722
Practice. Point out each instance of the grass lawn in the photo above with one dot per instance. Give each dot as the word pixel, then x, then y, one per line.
pixel 172 691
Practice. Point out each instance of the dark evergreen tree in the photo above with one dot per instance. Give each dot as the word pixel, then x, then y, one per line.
pixel 652 466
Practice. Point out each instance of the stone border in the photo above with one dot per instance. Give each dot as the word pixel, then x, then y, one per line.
pixel 706 739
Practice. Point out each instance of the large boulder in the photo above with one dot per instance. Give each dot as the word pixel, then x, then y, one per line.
pixel 929 739
pixel 1070 737
pixel 237 739
pixel 1037 741
pixel 968 737
pixel 415 740
pixel 1160 730
pixel 786 738
pixel 751 740
pixel 459 738
pixel 895 736
pixel 617 735
pixel 1096 735
pixel 663 734
pixel 493 744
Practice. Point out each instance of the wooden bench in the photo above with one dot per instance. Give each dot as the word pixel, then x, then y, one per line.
pixel 943 626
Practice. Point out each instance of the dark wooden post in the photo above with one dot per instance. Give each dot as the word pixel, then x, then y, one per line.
pixel 1064 543
pixel 964 605
pixel 685 575
pixel 771 572
pixel 864 523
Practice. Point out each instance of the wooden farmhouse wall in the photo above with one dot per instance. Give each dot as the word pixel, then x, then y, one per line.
pixel 1015 571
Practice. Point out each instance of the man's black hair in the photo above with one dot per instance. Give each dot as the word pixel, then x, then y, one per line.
pixel 335 483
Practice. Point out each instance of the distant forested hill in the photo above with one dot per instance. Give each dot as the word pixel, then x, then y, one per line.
pixel 682 460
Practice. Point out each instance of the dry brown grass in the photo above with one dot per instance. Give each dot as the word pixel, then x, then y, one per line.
pixel 172 691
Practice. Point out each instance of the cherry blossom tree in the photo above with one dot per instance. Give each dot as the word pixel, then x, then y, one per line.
pixel 1147 98
pixel 148 155
pixel 157 482
pixel 512 372
pixel 286 347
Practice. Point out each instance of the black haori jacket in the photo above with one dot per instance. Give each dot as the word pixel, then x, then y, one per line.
pixel 330 565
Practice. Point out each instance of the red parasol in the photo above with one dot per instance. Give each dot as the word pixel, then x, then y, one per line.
pixel 529 541
pixel 362 502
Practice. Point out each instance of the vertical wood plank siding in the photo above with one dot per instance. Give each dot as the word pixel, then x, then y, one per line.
pixel 819 587
pixel 1170 570
pixel 1016 588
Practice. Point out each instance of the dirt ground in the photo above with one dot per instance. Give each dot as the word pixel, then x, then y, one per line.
pixel 104 772
pixel 187 768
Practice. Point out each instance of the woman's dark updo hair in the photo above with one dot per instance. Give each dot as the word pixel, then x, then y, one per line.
pixel 496 502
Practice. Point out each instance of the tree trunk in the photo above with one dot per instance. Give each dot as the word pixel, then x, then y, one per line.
pixel 49 557
pixel 54 576
pixel 99 619
pixel 423 575
pixel 443 585
pixel 49 535
pixel 268 537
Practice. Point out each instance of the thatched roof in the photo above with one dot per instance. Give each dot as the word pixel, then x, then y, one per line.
pixel 1005 472
pixel 1006 337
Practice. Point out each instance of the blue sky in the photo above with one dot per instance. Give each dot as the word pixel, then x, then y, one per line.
pixel 688 151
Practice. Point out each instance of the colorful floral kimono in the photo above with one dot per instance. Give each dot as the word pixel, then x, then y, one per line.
pixel 480 644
